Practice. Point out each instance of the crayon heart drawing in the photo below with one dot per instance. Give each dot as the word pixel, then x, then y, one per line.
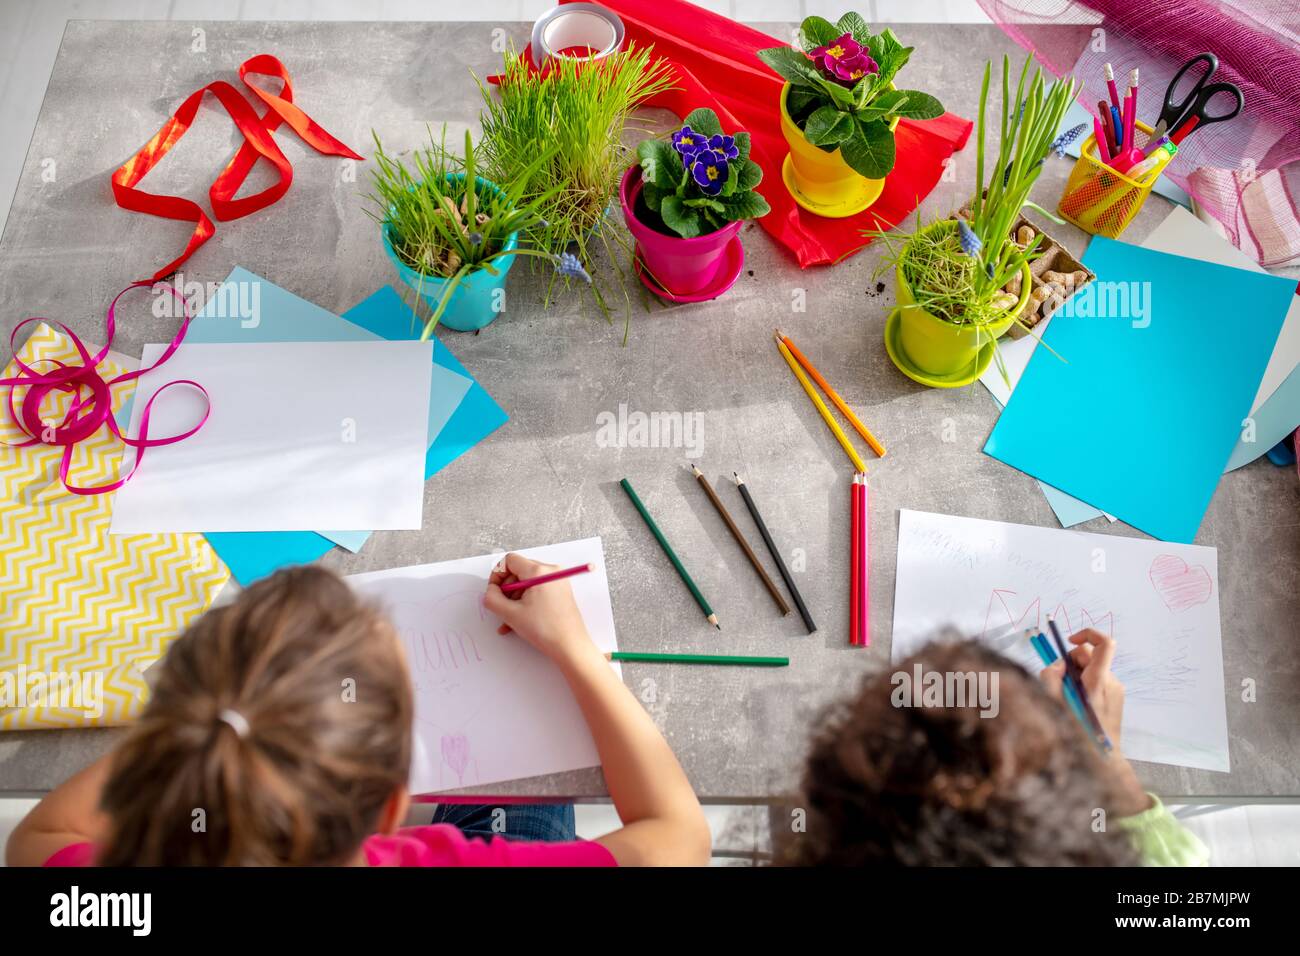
pixel 1179 584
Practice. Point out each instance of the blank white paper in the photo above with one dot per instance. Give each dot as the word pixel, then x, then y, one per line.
pixel 488 707
pixel 301 435
pixel 1158 600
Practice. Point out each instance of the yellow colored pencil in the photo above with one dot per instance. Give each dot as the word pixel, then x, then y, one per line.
pixel 829 419
pixel 834 396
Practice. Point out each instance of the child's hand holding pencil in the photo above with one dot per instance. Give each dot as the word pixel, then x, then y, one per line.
pixel 543 613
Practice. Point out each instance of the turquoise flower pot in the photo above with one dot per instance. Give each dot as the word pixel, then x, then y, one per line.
pixel 475 301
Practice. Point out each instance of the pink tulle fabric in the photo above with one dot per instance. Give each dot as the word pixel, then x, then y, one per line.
pixel 1244 172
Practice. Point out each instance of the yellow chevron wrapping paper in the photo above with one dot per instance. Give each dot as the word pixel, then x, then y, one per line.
pixel 83 613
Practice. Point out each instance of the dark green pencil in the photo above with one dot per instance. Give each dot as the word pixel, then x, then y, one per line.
pixel 698 659
pixel 672 555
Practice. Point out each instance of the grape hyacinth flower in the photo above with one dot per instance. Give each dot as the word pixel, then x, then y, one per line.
pixel 1066 138
pixel 845 60
pixel 970 243
pixel 687 142
pixel 568 265
pixel 709 170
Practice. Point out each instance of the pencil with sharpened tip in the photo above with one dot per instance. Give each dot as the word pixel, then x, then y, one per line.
pixel 776 554
pixel 725 515
pixel 723 659
pixel 672 555
pixel 831 423
pixel 834 396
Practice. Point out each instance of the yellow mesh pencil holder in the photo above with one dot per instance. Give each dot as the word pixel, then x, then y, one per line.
pixel 1099 200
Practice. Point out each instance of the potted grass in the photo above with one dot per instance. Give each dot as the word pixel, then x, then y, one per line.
pixel 577 111
pixel 684 204
pixel 839 109
pixel 953 277
pixel 452 235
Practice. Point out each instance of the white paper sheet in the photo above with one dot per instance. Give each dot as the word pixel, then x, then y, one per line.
pixel 488 707
pixel 1160 601
pixel 1182 234
pixel 301 435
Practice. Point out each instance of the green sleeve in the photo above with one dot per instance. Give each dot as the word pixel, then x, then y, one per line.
pixel 1161 840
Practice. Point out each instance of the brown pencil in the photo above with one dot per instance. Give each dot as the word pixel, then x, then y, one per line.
pixel 740 540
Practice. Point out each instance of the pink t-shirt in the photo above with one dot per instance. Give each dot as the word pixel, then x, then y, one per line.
pixel 438 845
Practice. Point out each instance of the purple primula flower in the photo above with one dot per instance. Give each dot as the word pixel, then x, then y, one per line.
pixel 709 170
pixel 970 243
pixel 845 60
pixel 724 144
pixel 687 142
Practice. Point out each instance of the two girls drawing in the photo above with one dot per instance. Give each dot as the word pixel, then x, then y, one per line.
pixel 248 722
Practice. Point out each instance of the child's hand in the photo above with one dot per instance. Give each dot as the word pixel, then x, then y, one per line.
pixel 546 616
pixel 1094 652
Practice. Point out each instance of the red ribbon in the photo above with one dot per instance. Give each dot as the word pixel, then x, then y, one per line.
pixel 257 142
pixel 92 401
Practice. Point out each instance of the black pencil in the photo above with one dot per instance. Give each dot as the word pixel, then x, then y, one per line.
pixel 736 533
pixel 776 555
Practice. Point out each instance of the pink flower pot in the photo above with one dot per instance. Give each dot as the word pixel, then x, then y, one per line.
pixel 681 266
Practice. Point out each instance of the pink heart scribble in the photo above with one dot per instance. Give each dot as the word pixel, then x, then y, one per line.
pixel 455 753
pixel 1179 584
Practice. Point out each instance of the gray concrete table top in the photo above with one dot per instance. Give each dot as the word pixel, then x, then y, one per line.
pixel 546 476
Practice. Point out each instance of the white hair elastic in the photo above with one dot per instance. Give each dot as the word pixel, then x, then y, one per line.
pixel 588 29
pixel 238 723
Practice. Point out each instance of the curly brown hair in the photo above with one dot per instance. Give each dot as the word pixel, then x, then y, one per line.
pixel 945 786
pixel 322 743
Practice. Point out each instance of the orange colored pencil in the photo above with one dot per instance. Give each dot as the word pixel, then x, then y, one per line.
pixel 834 396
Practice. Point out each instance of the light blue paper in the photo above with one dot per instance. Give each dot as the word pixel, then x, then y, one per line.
pixel 1164 186
pixel 1278 417
pixel 248 308
pixel 1141 416
pixel 255 554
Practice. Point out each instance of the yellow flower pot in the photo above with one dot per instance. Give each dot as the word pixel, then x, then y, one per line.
pixel 822 182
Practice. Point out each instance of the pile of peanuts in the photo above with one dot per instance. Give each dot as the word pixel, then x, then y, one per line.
pixel 1056 287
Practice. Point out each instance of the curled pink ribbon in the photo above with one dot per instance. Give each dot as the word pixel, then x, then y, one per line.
pixel 92 402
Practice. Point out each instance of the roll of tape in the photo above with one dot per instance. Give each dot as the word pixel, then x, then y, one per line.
pixel 576 31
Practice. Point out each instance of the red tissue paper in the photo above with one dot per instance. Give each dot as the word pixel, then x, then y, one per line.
pixel 716 64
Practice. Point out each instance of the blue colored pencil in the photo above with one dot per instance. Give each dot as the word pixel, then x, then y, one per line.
pixel 1073 675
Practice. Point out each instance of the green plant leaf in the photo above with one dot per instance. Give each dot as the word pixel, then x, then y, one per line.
pixel 855 24
pixel 918 105
pixel 705 202
pixel 747 205
pixel 827 126
pixel 791 65
pixel 870 151
pixel 652 195
pixel 742 142
pixel 703 120
pixel 660 163
pixel 818 31
pixel 800 101
pixel 733 177
pixel 680 218
pixel 751 174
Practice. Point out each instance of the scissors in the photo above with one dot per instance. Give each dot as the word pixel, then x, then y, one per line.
pixel 1179 119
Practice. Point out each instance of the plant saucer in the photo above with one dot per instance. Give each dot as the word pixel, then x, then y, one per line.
pixel 963 376
pixel 733 261
pixel 851 205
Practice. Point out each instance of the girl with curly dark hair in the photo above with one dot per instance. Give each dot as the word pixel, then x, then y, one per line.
pixel 894 779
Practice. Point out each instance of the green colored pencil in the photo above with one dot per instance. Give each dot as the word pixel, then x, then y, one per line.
pixel 672 555
pixel 698 659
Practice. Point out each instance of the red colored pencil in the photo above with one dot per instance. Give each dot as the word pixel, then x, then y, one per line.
pixel 864 562
pixel 514 586
pixel 854 597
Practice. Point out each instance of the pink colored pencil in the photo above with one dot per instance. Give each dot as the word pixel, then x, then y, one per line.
pixel 1130 109
pixel 523 585
pixel 863 547
pixel 1099 137
pixel 855 596
pixel 1110 85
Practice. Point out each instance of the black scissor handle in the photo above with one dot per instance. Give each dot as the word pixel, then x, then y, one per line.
pixel 1173 113
pixel 1208 93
